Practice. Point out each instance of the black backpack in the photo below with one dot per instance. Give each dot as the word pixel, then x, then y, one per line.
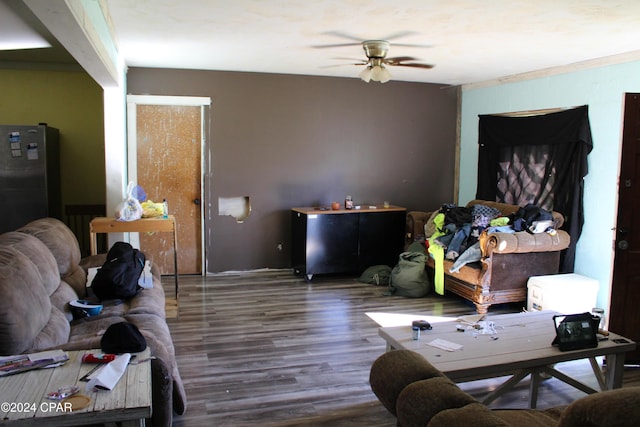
pixel 118 276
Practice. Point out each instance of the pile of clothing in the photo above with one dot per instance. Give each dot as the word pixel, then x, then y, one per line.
pixel 458 230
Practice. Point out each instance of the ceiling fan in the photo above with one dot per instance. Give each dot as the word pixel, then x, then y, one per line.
pixel 376 52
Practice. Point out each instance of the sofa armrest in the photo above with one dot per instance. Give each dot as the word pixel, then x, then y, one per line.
pixel 92 261
pixel 523 242
pixel 619 407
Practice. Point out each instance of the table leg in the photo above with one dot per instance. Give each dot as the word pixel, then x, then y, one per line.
pixel 93 246
pixel 533 388
pixel 568 380
pixel 175 257
pixel 505 386
pixel 615 370
pixel 598 373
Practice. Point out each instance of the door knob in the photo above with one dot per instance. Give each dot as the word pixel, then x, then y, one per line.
pixel 196 201
pixel 623 245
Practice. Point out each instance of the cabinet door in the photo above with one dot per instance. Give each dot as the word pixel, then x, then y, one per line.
pixel 298 242
pixel 381 238
pixel 332 243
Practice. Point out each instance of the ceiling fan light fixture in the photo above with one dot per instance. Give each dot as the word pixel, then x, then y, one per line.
pixel 380 74
pixel 365 74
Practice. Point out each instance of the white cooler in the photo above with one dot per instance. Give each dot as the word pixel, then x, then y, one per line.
pixel 564 293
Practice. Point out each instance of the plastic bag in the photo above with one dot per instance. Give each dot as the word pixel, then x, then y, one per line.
pixel 150 209
pixel 129 209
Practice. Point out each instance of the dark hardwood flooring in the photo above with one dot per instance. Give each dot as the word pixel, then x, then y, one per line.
pixel 267 348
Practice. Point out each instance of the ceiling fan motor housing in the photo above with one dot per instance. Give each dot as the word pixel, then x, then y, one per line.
pixel 375 48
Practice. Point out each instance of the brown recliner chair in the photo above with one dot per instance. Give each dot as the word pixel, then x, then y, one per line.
pixel 420 395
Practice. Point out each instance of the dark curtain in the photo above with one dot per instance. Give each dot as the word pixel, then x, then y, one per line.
pixel 540 160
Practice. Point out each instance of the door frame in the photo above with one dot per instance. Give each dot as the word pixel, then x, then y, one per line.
pixel 132 147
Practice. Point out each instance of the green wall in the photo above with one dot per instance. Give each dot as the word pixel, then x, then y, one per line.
pixel 72 102
pixel 602 89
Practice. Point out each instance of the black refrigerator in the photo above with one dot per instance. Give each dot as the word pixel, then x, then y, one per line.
pixel 29 174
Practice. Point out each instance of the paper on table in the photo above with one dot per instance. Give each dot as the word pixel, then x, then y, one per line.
pixel 445 345
pixel 109 375
pixel 471 319
pixel 25 362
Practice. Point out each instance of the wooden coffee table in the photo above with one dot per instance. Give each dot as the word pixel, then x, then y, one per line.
pixel 24 396
pixel 521 347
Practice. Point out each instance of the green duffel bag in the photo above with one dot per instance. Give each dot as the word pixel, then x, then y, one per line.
pixel 409 277
pixel 376 275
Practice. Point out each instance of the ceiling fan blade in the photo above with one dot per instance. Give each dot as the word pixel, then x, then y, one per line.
pixel 327 46
pixel 363 61
pixel 411 45
pixel 415 65
pixel 399 35
pixel 359 62
pixel 342 35
pixel 396 59
pixel 343 65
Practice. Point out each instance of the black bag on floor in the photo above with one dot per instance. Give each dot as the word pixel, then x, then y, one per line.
pixel 118 276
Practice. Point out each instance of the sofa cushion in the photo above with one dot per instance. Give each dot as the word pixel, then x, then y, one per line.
pixel 36 251
pixel 61 297
pixel 528 417
pixel 87 332
pixel 65 249
pixel 59 291
pixel 54 333
pixel 461 417
pixel 25 308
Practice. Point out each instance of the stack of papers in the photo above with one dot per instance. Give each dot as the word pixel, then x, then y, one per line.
pixel 25 362
pixel 445 345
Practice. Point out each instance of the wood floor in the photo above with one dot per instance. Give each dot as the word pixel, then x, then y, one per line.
pixel 266 348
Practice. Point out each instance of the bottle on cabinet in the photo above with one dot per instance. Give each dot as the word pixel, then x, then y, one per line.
pixel 165 208
pixel 348 202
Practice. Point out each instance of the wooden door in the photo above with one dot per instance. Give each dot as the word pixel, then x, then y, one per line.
pixel 169 141
pixel 625 291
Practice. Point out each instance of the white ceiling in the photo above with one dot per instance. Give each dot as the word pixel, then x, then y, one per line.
pixel 470 40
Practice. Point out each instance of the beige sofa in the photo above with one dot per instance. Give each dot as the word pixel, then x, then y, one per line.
pixel 420 395
pixel 41 271
pixel 507 262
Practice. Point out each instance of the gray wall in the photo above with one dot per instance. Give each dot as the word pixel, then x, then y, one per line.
pixel 287 140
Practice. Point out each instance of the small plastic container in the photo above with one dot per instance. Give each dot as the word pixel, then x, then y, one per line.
pixel 416 332
pixel 165 208
pixel 599 312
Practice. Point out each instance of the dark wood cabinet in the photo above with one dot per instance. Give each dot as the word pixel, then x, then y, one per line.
pixel 345 241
